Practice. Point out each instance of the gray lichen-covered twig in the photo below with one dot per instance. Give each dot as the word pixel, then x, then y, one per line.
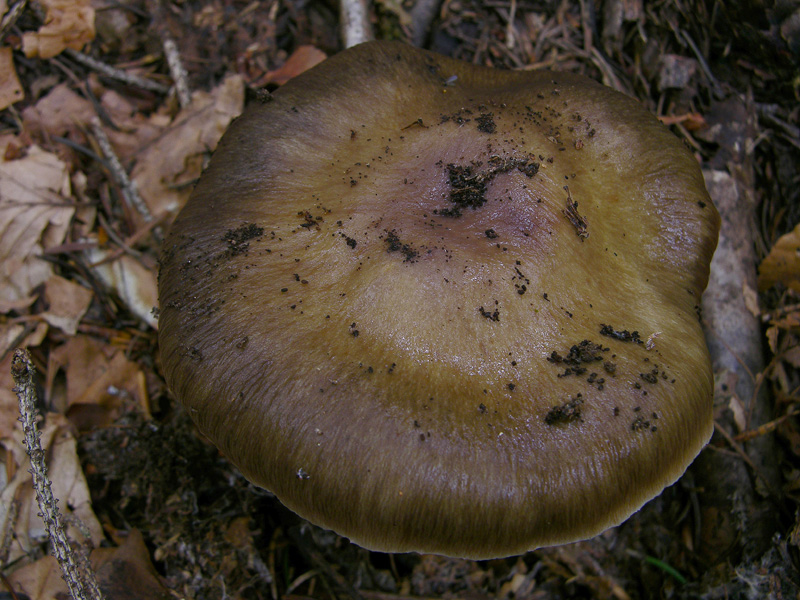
pixel 178 72
pixel 115 73
pixel 76 571
pixel 355 23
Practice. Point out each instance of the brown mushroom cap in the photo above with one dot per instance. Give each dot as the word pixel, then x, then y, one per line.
pixel 445 308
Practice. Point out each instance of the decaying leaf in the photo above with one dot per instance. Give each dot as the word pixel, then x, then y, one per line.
pixel 10 87
pixel 67 24
pixel 166 171
pixel 35 213
pixel 782 264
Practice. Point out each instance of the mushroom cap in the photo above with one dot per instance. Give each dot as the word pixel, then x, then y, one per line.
pixel 445 308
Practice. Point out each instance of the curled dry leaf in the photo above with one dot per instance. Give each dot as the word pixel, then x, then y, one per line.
pixel 10 87
pixel 67 24
pixel 166 171
pixel 782 264
pixel 34 214
pixel 134 284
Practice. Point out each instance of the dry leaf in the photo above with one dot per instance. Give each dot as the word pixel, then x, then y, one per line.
pixel 165 172
pixel 68 303
pixel 123 573
pixel 133 283
pixel 788 322
pixel 782 264
pixel 34 214
pixel 68 485
pixel 96 373
pixel 739 415
pixel 12 335
pixel 751 300
pixel 792 356
pixel 300 60
pixel 9 406
pixel 10 87
pixel 58 113
pixel 772 339
pixel 67 24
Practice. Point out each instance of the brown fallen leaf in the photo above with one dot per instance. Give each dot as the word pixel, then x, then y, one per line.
pixel 67 24
pixel 17 335
pixel 692 121
pixel 165 171
pixel 96 373
pixel 782 264
pixel 35 213
pixel 67 302
pixel 124 573
pixel 58 112
pixel 9 407
pixel 300 60
pixel 68 485
pixel 10 87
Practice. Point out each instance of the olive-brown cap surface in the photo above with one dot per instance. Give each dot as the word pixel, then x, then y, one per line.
pixel 445 308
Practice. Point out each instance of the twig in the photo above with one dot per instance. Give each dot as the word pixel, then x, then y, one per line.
pixel 422 15
pixel 177 71
pixel 749 461
pixel 130 190
pixel 510 37
pixel 118 74
pixel 77 573
pixel 717 88
pixel 779 312
pixel 11 17
pixel 356 26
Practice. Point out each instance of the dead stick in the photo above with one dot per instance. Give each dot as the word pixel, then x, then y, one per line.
pixel 118 74
pixel 178 72
pixel 130 191
pixel 77 573
pixel 356 26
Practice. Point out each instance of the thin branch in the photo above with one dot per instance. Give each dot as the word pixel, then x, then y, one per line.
pixel 422 15
pixel 177 71
pixel 11 17
pixel 75 570
pixel 356 26
pixel 115 73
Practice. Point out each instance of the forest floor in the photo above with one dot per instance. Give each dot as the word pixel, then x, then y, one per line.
pixel 101 142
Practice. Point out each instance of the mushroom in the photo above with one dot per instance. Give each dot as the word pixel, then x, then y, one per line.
pixel 444 308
